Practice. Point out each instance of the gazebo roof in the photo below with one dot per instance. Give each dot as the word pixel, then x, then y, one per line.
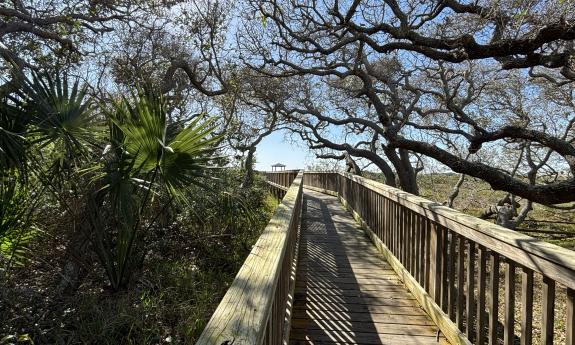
pixel 277 165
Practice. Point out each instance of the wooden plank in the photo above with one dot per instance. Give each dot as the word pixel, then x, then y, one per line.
pixel 470 297
pixel 509 324
pixel 419 318
pixel 384 291
pixel 481 289
pixel 451 287
pixel 364 327
pixel 526 306
pixel 362 338
pixel 460 282
pixel 570 318
pixel 347 285
pixel 419 251
pixel 444 256
pixel 548 311
pixel 427 271
pixel 351 303
pixel 493 305
pixel 436 245
pixel 318 267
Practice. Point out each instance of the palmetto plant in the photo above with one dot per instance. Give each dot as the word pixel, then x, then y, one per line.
pixel 45 112
pixel 44 127
pixel 147 159
pixel 51 134
pixel 16 228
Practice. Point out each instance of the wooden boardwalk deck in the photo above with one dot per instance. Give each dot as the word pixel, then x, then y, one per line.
pixel 346 293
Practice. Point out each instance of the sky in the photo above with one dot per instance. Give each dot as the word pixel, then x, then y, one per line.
pixel 276 149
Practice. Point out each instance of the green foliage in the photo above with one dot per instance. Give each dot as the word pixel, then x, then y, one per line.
pixel 189 267
pixel 45 112
pixel 179 156
pixel 16 228
pixel 148 162
pixel 168 231
pixel 46 128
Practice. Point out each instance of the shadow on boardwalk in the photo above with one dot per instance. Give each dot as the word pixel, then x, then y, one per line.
pixel 345 292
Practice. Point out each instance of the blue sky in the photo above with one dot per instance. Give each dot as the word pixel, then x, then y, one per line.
pixel 276 149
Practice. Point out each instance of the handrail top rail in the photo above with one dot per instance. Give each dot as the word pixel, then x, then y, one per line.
pixel 242 313
pixel 561 261
pixel 279 171
pixel 278 186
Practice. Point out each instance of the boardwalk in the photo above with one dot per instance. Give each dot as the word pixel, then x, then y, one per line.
pixel 345 292
pixel 456 270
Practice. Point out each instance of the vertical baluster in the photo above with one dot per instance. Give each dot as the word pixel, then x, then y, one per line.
pixel 570 318
pixel 380 210
pixel 427 271
pixel 367 205
pixel 460 281
pixel 412 230
pixel 444 270
pixel 422 250
pixel 397 230
pixel 526 306
pixel 408 239
pixel 451 257
pixel 493 298
pixel 392 220
pixel 548 311
pixel 377 216
pixel 409 231
pixel 470 301
pixel 417 252
pixel 374 212
pixel 385 222
pixel 509 324
pixel 436 245
pixel 403 234
pixel 481 286
pixel 401 237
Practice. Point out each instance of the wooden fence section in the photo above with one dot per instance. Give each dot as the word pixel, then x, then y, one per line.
pixel 283 178
pixel 453 264
pixel 253 311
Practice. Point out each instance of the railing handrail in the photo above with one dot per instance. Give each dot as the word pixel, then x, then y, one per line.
pixel 278 186
pixel 546 258
pixel 280 171
pixel 243 315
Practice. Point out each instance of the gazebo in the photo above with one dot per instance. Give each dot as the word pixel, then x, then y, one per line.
pixel 278 167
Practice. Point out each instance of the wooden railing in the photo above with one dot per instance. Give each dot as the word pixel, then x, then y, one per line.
pixel 279 181
pixel 253 311
pixel 283 178
pixel 453 264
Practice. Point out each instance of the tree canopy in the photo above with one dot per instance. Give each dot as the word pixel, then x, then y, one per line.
pixel 483 87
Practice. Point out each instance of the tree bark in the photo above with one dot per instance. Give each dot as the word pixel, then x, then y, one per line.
pixel 249 168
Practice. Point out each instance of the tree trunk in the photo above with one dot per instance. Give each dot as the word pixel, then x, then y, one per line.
pixel 404 169
pixel 249 169
pixel 352 166
pixel 455 191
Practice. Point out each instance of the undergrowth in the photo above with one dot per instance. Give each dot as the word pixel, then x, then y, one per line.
pixel 192 259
